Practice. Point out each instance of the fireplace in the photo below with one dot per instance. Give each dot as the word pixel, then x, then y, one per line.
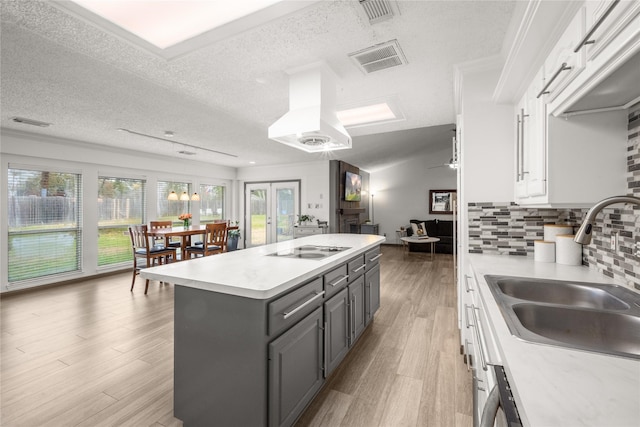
pixel 350 224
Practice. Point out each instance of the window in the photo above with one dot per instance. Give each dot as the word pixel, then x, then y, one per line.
pixel 45 229
pixel 171 209
pixel 211 203
pixel 120 204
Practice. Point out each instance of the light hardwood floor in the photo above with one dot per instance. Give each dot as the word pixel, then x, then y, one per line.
pixel 92 354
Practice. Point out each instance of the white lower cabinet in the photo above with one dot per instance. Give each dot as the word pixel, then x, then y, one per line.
pixel 479 347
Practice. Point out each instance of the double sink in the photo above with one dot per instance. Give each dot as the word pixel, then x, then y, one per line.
pixel 585 316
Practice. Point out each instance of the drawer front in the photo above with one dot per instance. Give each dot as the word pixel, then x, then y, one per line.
pixel 372 257
pixel 356 267
pixel 289 309
pixel 307 231
pixel 335 280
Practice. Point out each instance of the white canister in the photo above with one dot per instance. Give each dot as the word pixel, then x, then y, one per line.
pixel 544 251
pixel 552 230
pixel 568 252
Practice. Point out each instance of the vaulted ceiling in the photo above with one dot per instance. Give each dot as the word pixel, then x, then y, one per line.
pixel 62 68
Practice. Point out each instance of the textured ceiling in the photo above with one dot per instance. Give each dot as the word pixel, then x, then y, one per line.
pixel 59 68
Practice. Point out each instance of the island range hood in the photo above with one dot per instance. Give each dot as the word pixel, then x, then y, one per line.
pixel 311 123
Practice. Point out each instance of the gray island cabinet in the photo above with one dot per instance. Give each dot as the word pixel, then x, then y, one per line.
pixel 255 350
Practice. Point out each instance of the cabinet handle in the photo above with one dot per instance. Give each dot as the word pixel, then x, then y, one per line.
pixel 523 116
pixel 467 355
pixel 562 68
pixel 325 367
pixel 359 268
pixel 375 258
pixel 518 174
pixel 347 336
pixel 303 305
pixel 343 278
pixel 369 312
pixel 466 283
pixel 466 316
pixel 483 362
pixel 585 40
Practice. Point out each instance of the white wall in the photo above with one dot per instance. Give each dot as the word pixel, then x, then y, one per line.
pixel 91 161
pixel 401 192
pixel 488 132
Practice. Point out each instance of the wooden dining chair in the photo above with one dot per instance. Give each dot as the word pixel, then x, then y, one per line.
pixel 146 254
pixel 215 241
pixel 154 225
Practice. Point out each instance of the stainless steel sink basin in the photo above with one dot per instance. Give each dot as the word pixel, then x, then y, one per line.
pixel 606 331
pixel 556 292
pixel 586 316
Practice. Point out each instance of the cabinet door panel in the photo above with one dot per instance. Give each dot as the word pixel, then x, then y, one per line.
pixel 617 20
pixel 356 308
pixel 372 293
pixel 563 64
pixel 336 317
pixel 295 369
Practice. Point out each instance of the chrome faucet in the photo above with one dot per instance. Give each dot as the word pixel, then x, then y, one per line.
pixel 584 232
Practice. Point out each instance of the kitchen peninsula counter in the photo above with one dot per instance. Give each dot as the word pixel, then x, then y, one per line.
pixel 257 331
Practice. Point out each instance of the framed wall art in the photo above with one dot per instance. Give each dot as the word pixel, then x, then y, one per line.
pixel 442 201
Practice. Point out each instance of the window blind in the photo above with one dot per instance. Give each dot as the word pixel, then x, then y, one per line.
pixel 121 203
pixel 44 223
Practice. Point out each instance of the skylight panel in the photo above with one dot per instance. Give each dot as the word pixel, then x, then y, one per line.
pixel 169 22
pixel 367 114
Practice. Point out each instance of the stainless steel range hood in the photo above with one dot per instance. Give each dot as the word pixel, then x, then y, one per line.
pixel 311 123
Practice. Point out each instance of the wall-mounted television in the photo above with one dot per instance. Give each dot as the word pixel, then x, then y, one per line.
pixel 352 187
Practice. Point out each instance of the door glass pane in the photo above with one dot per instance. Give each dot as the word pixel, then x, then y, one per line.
pixel 285 213
pixel 258 212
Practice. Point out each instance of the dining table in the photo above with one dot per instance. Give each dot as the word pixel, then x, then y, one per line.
pixel 184 233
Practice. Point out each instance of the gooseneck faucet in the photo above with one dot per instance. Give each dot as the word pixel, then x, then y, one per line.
pixel 584 232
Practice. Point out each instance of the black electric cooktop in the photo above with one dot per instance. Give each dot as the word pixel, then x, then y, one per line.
pixel 309 252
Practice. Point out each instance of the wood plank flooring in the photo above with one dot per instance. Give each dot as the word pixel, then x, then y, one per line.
pixel 93 354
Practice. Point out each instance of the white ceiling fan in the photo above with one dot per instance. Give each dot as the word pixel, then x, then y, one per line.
pixel 451 164
pixel 453 161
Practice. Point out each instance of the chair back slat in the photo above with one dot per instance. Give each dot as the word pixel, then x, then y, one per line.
pixel 154 225
pixel 217 234
pixel 139 237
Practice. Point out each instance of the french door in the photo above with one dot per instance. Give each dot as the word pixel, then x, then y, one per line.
pixel 271 209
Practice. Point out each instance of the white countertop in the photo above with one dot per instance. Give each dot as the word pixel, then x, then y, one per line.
pixel 555 386
pixel 251 273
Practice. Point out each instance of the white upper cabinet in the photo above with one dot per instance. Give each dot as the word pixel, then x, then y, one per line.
pixel 575 160
pixel 531 142
pixel 610 41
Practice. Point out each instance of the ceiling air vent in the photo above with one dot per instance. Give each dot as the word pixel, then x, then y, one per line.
pixel 379 57
pixel 30 122
pixel 377 10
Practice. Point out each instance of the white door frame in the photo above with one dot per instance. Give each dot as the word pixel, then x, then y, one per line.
pixel 271 227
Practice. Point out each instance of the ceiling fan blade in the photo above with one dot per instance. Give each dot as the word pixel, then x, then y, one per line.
pixel 437 166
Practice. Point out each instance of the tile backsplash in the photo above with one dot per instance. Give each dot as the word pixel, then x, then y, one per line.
pixel 509 229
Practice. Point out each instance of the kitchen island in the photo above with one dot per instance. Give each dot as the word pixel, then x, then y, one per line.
pixel 257 331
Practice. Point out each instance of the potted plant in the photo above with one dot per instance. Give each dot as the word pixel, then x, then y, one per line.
pixel 304 220
pixel 233 235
